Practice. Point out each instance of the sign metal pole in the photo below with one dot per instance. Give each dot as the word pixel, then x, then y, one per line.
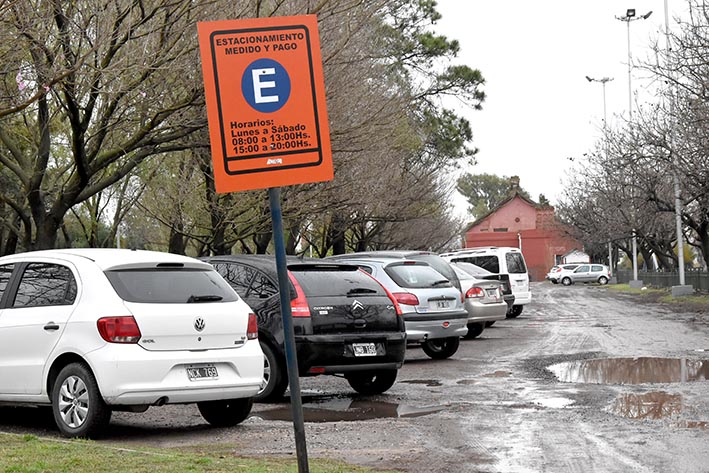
pixel 296 401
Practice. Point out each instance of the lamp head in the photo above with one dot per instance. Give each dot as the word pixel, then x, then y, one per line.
pixel 589 79
pixel 647 15
pixel 630 13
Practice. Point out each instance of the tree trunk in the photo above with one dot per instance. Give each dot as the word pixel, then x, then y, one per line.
pixel 217 219
pixel 293 239
pixel 336 235
pixel 178 242
pixel 47 230
pixel 262 240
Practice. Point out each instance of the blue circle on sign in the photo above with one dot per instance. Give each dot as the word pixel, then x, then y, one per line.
pixel 266 85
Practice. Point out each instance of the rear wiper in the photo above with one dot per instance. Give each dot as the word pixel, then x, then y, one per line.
pixel 207 298
pixel 440 283
pixel 361 290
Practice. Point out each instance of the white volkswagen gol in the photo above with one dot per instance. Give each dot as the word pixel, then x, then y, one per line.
pixel 90 331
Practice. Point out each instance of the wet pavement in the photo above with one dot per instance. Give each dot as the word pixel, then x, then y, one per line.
pixel 583 381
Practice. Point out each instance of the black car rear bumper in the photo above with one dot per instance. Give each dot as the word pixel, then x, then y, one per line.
pixel 332 354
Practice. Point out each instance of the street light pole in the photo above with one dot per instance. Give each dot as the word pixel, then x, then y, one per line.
pixel 682 289
pixel 603 82
pixel 631 16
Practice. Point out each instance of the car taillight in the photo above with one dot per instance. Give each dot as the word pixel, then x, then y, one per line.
pixel 406 298
pixel 474 293
pixel 252 327
pixel 119 329
pixel 299 306
pixel 388 293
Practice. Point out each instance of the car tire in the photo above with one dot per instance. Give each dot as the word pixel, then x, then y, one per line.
pixel 515 311
pixel 371 382
pixel 275 379
pixel 490 323
pixel 554 281
pixel 77 405
pixel 474 330
pixel 226 413
pixel 566 281
pixel 441 348
pixel 603 280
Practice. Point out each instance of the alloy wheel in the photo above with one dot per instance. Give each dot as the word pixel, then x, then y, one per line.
pixel 73 402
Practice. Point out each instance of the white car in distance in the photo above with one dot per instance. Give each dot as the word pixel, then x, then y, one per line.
pixel 90 331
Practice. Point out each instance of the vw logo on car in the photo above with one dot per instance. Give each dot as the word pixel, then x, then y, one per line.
pixel 199 324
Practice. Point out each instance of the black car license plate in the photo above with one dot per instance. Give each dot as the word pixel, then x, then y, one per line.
pixel 196 373
pixel 364 349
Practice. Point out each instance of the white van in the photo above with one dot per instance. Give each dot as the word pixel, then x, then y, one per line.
pixel 506 261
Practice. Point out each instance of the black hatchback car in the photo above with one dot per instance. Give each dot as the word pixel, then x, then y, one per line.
pixel 345 322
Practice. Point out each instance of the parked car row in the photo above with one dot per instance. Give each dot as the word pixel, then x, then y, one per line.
pixel 568 274
pixel 505 262
pixel 92 331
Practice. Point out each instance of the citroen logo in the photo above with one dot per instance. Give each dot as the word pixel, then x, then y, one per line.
pixel 199 324
pixel 357 305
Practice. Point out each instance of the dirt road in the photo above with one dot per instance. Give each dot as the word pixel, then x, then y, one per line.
pixel 495 406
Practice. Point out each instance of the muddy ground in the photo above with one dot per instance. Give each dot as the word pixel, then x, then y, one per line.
pixel 496 405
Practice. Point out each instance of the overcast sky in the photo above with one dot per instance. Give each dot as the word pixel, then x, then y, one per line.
pixel 540 109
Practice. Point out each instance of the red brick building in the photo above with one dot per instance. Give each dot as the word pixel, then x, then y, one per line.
pixel 522 223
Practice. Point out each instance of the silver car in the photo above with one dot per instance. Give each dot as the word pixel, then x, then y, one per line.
pixel 586 273
pixel 433 310
pixel 483 300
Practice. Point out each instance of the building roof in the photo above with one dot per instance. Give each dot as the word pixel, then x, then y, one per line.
pixel 516 193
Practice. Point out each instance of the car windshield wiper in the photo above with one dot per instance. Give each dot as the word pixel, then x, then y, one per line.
pixel 361 290
pixel 440 282
pixel 206 298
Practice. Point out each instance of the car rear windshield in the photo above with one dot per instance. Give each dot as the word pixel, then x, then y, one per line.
pixel 515 263
pixel 416 276
pixel 326 282
pixel 171 286
pixel 440 265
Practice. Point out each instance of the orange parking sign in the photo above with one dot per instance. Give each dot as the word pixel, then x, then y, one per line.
pixel 265 95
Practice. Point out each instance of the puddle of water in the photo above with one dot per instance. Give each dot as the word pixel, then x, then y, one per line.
pixel 498 374
pixel 631 371
pixel 340 410
pixel 652 405
pixel 693 424
pixel 554 402
pixel 427 382
pixel 466 382
pixel 655 405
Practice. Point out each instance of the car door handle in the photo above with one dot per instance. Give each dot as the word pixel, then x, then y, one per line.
pixel 51 326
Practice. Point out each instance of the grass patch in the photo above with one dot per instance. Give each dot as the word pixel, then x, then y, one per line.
pixel 31 454
pixel 626 289
pixel 697 302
